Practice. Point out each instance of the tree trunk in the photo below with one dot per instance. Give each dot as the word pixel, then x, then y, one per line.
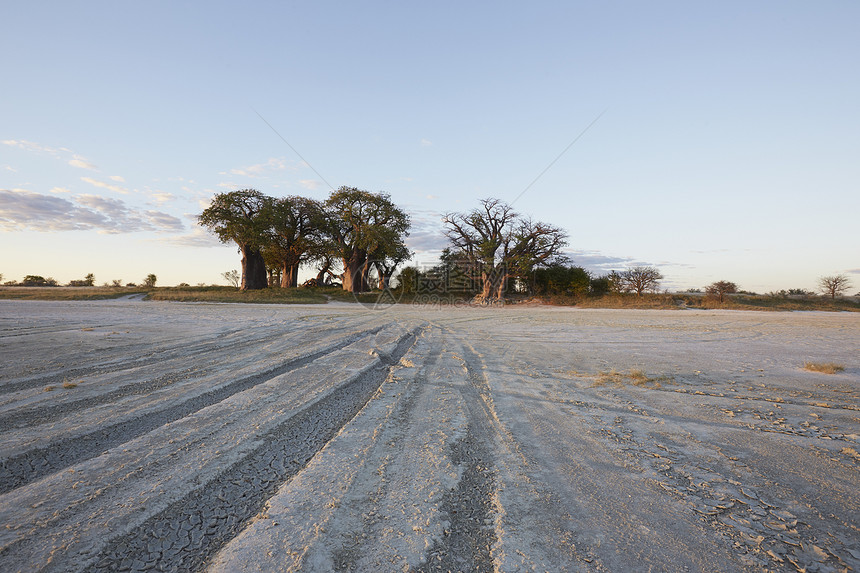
pixel 253 269
pixel 290 275
pixel 321 276
pixel 494 282
pixel 353 271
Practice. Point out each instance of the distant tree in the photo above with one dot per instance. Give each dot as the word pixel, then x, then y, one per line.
pixel 721 288
pixel 89 280
pixel 1 277
pixel 386 258
pixel 149 281
pixel 237 217
pixel 116 282
pixel 599 286
pixel 37 280
pixel 233 278
pixel 834 285
pixel 407 280
pixel 640 279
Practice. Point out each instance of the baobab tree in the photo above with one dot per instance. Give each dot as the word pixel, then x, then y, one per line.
pixel 295 227
pixel 834 285
pixel 360 223
pixel 501 245
pixel 237 217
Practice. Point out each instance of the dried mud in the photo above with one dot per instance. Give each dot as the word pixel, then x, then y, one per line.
pixel 141 436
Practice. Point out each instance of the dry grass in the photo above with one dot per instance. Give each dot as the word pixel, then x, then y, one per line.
pixel 67 293
pixel 824 367
pixel 635 377
pixel 67 384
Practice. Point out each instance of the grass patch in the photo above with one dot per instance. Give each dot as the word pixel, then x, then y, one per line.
pixel 67 293
pixel 68 384
pixel 635 377
pixel 679 301
pixel 230 294
pixel 824 367
pixel 50 388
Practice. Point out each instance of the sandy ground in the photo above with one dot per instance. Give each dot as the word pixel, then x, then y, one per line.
pixel 169 436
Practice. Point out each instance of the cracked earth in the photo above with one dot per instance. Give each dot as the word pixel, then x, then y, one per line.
pixel 146 436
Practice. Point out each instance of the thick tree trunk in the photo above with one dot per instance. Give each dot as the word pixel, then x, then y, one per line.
pixel 353 271
pixel 290 275
pixel 253 269
pixel 494 283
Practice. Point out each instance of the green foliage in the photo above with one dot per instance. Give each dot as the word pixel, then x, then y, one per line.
pixel 558 279
pixel 37 280
pixel 407 280
pixel 88 281
pixel 599 286
pixel 237 216
pixel 361 227
pixel 149 281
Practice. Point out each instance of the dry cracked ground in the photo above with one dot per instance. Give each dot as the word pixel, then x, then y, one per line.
pixel 141 436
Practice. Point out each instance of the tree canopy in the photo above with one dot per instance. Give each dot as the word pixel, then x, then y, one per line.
pixel 502 245
pixel 834 285
pixel 362 231
pixel 239 216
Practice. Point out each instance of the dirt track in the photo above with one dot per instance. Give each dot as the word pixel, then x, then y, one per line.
pixel 140 436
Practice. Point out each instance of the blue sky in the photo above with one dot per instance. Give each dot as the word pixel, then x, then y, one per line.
pixel 727 148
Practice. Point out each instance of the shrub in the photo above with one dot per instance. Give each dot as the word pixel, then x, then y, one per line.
pixel 824 367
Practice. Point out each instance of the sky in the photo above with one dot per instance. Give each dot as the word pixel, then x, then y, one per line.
pixel 715 141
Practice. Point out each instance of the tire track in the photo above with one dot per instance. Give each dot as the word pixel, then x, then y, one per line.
pixel 184 536
pixel 49 413
pixel 153 356
pixel 29 466
pixel 467 543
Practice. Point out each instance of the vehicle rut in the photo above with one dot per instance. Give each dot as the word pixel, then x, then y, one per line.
pixel 29 466
pixel 185 535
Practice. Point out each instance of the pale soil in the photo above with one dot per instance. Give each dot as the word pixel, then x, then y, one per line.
pixel 318 438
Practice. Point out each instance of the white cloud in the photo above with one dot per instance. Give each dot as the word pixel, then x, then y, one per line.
pixel 309 184
pixel 30 145
pixel 79 162
pixel 60 190
pixel 260 169
pixel 22 209
pixel 162 197
pixel 426 143
pixel 10 168
pixel 118 178
pixel 102 184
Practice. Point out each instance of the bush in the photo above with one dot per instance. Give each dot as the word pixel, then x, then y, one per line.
pixel 561 280
pixel 36 280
